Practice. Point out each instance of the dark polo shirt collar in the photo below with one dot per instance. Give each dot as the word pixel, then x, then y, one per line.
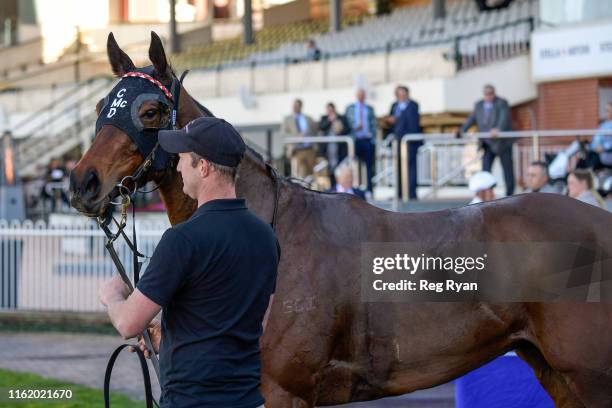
pixel 222 204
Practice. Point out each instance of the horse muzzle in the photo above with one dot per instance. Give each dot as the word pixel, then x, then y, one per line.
pixel 85 194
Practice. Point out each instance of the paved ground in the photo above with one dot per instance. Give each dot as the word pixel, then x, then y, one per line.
pixel 78 358
pixel 82 358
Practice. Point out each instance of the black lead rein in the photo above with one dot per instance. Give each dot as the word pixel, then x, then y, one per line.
pixel 111 237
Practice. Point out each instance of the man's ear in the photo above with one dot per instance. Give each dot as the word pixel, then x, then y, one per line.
pixel 205 168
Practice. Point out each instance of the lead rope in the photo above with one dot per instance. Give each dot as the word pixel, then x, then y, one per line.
pixel 277 188
pixel 126 201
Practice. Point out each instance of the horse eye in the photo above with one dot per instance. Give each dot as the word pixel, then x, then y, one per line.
pixel 150 114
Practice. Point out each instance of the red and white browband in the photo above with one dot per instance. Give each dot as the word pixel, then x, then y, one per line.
pixel 152 80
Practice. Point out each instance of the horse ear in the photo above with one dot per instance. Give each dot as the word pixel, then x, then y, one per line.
pixel 119 60
pixel 158 56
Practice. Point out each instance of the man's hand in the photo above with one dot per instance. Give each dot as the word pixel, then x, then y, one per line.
pixel 154 330
pixel 391 120
pixel 494 132
pixel 114 289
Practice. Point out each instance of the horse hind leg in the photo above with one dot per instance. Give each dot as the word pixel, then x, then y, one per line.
pixel 552 381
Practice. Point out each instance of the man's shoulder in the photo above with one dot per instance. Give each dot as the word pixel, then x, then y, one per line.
pixel 501 101
pixel 606 125
pixel 180 232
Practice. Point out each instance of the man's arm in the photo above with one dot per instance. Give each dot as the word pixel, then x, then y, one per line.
pixel 469 122
pixel 129 314
pixel 285 127
pixel 373 122
pixel 503 123
pixel 415 118
pixel 132 316
pixel 350 118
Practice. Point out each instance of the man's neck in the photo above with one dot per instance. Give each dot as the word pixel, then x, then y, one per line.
pixel 218 193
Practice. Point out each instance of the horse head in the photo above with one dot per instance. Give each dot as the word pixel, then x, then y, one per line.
pixel 125 153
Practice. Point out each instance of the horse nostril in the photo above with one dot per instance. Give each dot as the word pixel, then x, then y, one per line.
pixel 91 187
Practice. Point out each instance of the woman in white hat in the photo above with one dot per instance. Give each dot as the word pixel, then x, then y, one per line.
pixel 482 184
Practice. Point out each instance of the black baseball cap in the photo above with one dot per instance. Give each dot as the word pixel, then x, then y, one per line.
pixel 212 138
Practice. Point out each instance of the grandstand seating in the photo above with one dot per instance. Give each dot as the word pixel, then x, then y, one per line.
pixel 405 27
pixel 226 52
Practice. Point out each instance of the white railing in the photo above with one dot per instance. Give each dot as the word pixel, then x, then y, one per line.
pixel 443 148
pixel 61 267
pixel 384 162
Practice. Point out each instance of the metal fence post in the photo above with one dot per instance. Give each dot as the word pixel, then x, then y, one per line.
pixel 269 144
pixel 405 165
pixel 536 146
pixel 397 192
pixel 434 171
pixel 457 51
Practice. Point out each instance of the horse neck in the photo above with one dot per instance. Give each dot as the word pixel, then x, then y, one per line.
pixel 178 204
pixel 253 182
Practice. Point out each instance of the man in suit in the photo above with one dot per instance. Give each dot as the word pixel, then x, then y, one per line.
pixel 404 118
pixel 362 121
pixel 492 114
pixel 344 182
pixel 302 155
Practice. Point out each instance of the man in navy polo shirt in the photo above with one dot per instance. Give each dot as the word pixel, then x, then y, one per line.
pixel 213 275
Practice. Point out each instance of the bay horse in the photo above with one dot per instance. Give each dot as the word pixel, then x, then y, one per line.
pixel 323 345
